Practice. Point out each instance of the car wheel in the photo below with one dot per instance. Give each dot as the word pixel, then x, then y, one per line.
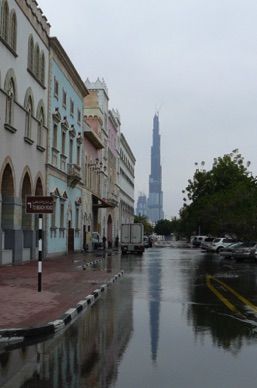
pixel 218 249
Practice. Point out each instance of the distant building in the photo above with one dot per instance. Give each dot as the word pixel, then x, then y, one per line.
pixel 141 209
pixel 127 186
pixel 155 199
pixel 99 215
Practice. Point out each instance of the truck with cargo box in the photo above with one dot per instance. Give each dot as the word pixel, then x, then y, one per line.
pixel 132 238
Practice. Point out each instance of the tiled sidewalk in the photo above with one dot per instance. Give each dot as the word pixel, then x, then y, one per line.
pixel 66 280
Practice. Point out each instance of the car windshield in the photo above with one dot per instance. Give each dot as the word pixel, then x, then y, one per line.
pixel 247 245
pixel 235 245
pixel 216 240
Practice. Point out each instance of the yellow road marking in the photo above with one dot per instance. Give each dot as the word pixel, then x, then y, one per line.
pixel 226 301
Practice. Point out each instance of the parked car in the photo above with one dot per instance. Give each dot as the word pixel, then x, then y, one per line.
pixel 147 242
pixel 197 240
pixel 228 251
pixel 246 251
pixel 218 243
pixel 206 242
pixel 97 241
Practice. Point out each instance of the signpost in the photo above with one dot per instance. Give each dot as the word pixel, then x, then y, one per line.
pixel 39 205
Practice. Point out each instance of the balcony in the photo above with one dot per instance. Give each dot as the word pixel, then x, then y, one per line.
pixel 74 174
pixel 112 199
pixel 94 138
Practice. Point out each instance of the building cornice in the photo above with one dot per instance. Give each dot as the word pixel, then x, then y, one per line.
pixel 65 60
pixel 127 147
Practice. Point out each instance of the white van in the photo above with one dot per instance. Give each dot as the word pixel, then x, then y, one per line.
pixel 196 241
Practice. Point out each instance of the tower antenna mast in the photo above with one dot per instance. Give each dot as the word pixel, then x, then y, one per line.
pixel 158 111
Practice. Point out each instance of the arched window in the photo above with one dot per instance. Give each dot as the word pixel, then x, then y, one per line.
pixel 37 61
pixel 30 53
pixel 42 68
pixel 13 31
pixel 5 21
pixel 10 103
pixel 40 128
pixel 28 118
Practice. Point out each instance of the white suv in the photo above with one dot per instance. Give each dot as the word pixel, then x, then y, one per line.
pixel 218 243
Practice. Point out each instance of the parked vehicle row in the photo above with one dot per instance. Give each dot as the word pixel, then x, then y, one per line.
pixel 227 247
pixel 228 251
pixel 211 244
pixel 219 243
pixel 206 242
pixel 241 251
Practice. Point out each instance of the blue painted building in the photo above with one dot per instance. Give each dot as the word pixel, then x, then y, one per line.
pixel 65 142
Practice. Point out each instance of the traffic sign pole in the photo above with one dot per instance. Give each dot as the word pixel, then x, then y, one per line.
pixel 39 205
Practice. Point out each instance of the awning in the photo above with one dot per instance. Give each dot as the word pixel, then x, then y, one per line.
pixel 100 202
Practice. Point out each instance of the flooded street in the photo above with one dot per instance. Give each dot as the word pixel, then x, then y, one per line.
pixel 177 318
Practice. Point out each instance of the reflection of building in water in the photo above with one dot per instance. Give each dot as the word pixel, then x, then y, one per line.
pixel 155 304
pixel 10 364
pixel 85 355
pixel 106 335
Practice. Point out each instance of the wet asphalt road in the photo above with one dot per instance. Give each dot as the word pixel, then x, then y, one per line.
pixel 177 318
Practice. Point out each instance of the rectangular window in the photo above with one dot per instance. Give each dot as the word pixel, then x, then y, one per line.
pixel 71 151
pixel 53 216
pixel 79 116
pixel 62 216
pixel 63 142
pixel 71 107
pixel 64 98
pixel 55 136
pixel 56 88
pixel 78 155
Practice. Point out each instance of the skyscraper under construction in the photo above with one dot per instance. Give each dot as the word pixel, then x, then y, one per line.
pixel 155 199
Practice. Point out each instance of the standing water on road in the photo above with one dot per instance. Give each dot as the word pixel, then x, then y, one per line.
pixel 177 318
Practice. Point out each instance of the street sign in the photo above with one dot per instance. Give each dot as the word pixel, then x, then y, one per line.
pixel 39 205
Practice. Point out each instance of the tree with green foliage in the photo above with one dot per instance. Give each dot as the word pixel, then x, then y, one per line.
pixel 163 228
pixel 144 220
pixel 222 200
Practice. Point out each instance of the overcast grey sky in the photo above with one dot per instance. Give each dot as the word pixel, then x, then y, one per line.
pixel 195 60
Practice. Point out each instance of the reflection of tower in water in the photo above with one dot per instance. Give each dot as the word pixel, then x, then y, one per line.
pixel 155 304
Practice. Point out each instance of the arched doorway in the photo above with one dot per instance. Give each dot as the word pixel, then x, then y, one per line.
pixel 7 191
pixel 7 216
pixel 71 233
pixel 109 231
pixel 28 230
pixel 39 187
pixel 26 190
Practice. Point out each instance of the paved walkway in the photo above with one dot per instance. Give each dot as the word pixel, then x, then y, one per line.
pixel 69 284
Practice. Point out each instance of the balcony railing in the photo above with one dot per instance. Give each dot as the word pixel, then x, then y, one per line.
pixel 74 174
